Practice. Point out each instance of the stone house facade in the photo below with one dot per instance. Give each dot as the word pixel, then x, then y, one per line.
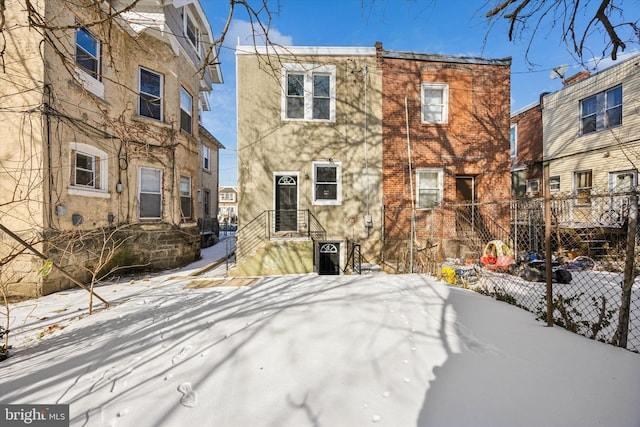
pixel 101 132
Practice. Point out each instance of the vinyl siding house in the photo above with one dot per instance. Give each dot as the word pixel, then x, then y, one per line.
pixel 592 143
pixel 445 132
pixel 309 158
pixel 100 131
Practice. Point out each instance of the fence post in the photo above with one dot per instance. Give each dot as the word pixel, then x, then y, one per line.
pixel 547 245
pixel 629 264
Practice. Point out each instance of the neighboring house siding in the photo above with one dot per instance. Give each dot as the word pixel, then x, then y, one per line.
pixel 567 149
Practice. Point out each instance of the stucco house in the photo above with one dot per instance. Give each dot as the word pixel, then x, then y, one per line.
pixel 445 135
pixel 309 158
pixel 228 204
pixel 101 132
pixel 592 145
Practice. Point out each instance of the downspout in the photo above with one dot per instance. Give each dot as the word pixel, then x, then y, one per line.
pixel 49 190
pixel 413 216
pixel 367 218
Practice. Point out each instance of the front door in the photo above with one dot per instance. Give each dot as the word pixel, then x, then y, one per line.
pixel 465 198
pixel 286 203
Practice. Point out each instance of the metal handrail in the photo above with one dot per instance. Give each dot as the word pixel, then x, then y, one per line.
pixel 354 251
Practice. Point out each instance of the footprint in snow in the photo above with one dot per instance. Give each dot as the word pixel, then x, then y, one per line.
pixel 180 356
pixel 189 397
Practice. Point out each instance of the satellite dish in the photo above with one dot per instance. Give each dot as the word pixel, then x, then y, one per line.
pixel 559 72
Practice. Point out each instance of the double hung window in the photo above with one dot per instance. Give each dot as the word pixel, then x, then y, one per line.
pixel 206 158
pixel 88 172
pixel 88 53
pixel 435 103
pixel 327 183
pixel 583 184
pixel 185 197
pixel 150 102
pixel 186 111
pixel 601 111
pixel 309 92
pixel 429 186
pixel 150 193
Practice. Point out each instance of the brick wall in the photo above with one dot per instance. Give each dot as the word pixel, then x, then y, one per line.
pixel 529 142
pixel 474 142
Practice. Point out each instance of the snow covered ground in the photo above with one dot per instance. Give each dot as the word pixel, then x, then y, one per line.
pixel 308 350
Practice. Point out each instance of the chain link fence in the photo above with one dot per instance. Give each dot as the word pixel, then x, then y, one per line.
pixel 593 244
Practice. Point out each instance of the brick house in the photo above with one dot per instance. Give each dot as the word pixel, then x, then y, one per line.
pixel 526 151
pixel 100 130
pixel 456 111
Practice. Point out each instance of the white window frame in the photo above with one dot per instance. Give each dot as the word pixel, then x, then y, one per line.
pixel 160 97
pixel 186 98
pixel 614 174
pixel 533 186
pixel 95 56
pixel 206 157
pixel 554 183
pixel 308 71
pixel 188 18
pixel 100 167
pixel 578 189
pixel 327 202
pixel 151 192
pixel 444 87
pixel 601 113
pixel 91 82
pixel 513 140
pixel 439 189
pixel 186 195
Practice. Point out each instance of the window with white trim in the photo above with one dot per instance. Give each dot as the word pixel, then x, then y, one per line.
pixel 186 111
pixel 327 183
pixel 582 182
pixel 150 192
pixel 533 186
pixel 206 158
pixel 89 170
pixel 191 30
pixel 185 197
pixel 429 188
pixel 601 111
pixel 513 140
pixel 554 183
pixel 622 181
pixel 435 103
pixel 309 92
pixel 88 53
pixel 151 88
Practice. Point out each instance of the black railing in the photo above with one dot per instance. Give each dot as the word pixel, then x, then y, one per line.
pixel 354 257
pixel 477 228
pixel 277 224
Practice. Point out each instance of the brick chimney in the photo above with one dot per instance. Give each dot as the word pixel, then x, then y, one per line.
pixel 576 78
pixel 378 46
